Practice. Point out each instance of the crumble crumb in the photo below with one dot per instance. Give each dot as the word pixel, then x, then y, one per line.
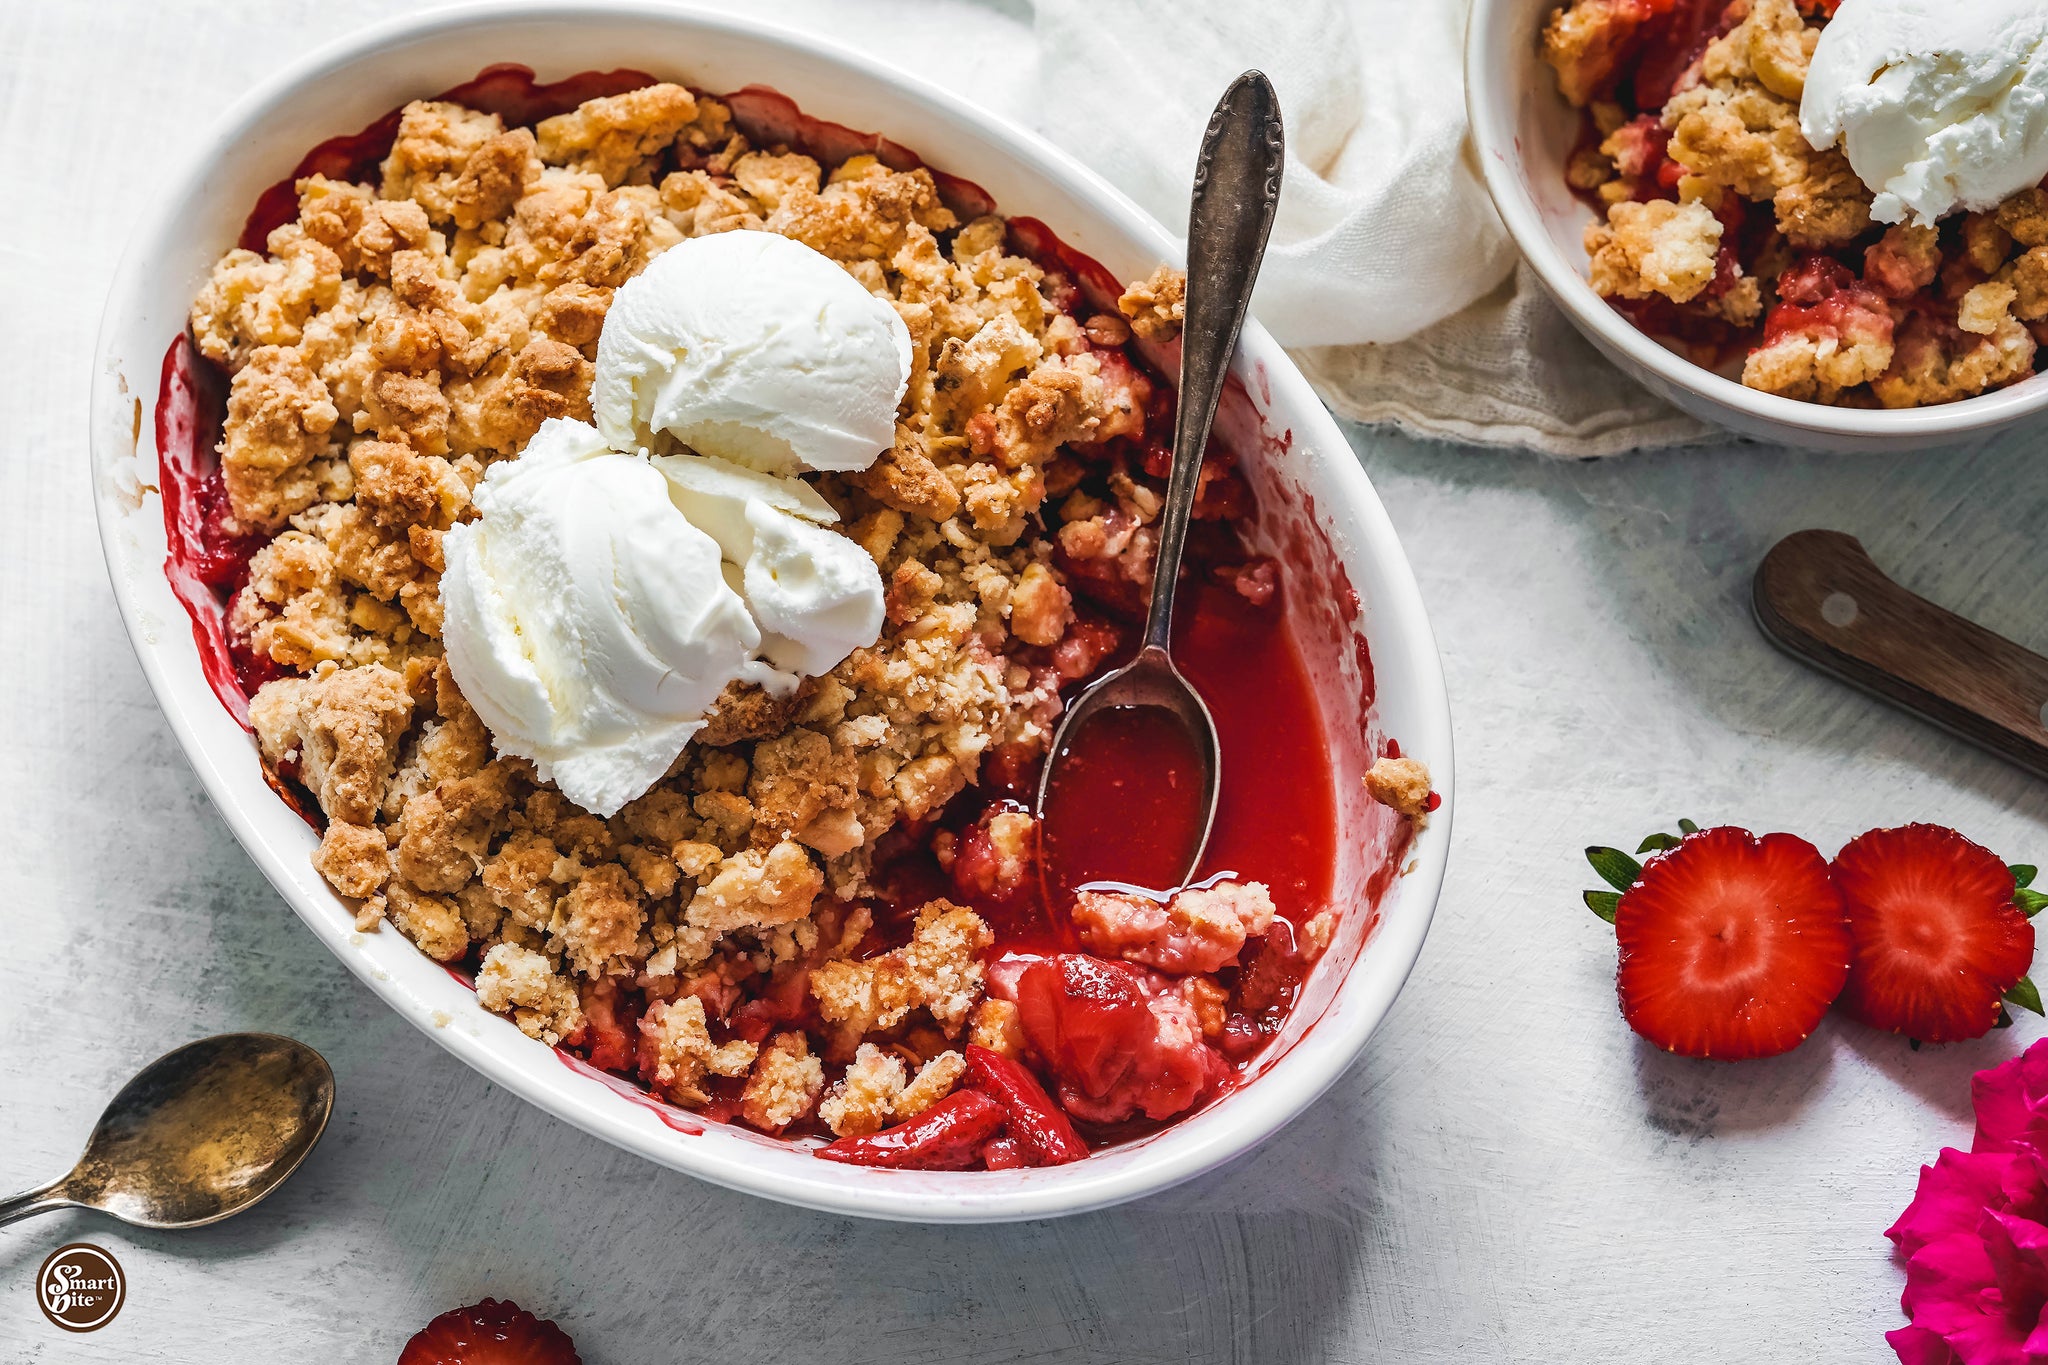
pixel 1402 783
pixel 1658 247
pixel 1200 929
pixel 934 1081
pixel 340 729
pixel 998 1026
pixel 684 1054
pixel 865 1097
pixel 1985 307
pixel 785 1084
pixel 522 983
pixel 1157 307
pixel 1931 366
pixel 616 136
pixel 1585 43
pixel 936 971
pixel 353 858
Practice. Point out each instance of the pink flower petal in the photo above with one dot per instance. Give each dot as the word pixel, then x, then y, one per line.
pixel 2010 1100
pixel 1948 1270
pixel 1953 1194
pixel 2025 1186
pixel 1975 1236
pixel 2018 1251
pixel 1918 1346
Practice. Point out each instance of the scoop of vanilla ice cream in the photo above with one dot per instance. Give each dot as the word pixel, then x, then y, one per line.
pixel 754 348
pixel 586 619
pixel 1939 104
pixel 816 595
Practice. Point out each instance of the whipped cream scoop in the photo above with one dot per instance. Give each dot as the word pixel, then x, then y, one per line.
pixel 1939 104
pixel 754 348
pixel 586 620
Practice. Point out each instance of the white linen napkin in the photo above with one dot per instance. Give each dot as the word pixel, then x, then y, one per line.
pixel 1389 276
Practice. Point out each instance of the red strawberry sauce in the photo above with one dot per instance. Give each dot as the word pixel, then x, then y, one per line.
pixel 1126 803
pixel 1129 810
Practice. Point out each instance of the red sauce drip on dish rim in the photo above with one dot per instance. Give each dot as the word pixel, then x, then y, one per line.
pixel 1276 814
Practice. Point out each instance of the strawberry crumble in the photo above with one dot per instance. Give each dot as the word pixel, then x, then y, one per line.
pixel 1730 236
pixel 827 919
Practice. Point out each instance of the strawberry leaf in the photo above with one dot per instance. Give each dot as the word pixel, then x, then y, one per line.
pixel 1658 843
pixel 1604 904
pixel 1616 868
pixel 2030 903
pixel 2026 995
pixel 2004 1018
pixel 1688 827
pixel 2023 874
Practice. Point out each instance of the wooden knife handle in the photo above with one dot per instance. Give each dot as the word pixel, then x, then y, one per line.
pixel 1821 598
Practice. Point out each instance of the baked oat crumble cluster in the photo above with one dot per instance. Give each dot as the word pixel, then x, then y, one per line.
pixel 1726 232
pixel 715 935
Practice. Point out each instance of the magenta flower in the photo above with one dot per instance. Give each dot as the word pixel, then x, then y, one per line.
pixel 1975 1237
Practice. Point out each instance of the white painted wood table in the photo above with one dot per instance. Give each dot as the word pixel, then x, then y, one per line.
pixel 1508 1175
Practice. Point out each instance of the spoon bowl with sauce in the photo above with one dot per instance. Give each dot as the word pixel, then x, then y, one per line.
pixel 1141 741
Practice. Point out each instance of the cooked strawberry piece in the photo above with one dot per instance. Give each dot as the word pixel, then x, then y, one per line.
pixel 1044 1134
pixel 949 1136
pixel 1820 298
pixel 1902 262
pixel 1590 42
pixel 611 1025
pixel 1004 1154
pixel 1117 1046
pixel 1085 1016
pixel 1673 44
pixel 494 1332
pixel 1011 770
pixel 1092 638
pixel 1731 946
pixel 1937 938
pixel 995 864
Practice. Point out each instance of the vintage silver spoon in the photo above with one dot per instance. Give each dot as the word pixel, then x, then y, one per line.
pixel 197 1136
pixel 1237 187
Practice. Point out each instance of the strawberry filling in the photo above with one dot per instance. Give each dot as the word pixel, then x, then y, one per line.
pixel 1820 298
pixel 1118 1045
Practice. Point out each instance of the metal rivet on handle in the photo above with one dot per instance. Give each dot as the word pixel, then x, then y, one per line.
pixel 1838 609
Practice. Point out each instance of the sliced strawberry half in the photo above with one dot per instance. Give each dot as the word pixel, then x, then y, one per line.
pixel 1940 936
pixel 1731 946
pixel 494 1332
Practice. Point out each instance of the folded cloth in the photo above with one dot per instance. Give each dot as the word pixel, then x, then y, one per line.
pixel 1389 276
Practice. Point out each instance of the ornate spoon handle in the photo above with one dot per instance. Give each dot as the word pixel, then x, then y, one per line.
pixel 1237 187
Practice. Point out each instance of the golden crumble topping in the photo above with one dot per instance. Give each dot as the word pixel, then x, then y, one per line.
pixel 397 338
pixel 1709 194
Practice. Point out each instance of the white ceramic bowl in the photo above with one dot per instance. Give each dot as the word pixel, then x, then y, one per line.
pixel 1310 486
pixel 1523 132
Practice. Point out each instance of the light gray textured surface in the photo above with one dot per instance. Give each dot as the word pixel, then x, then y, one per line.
pixel 1508 1175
